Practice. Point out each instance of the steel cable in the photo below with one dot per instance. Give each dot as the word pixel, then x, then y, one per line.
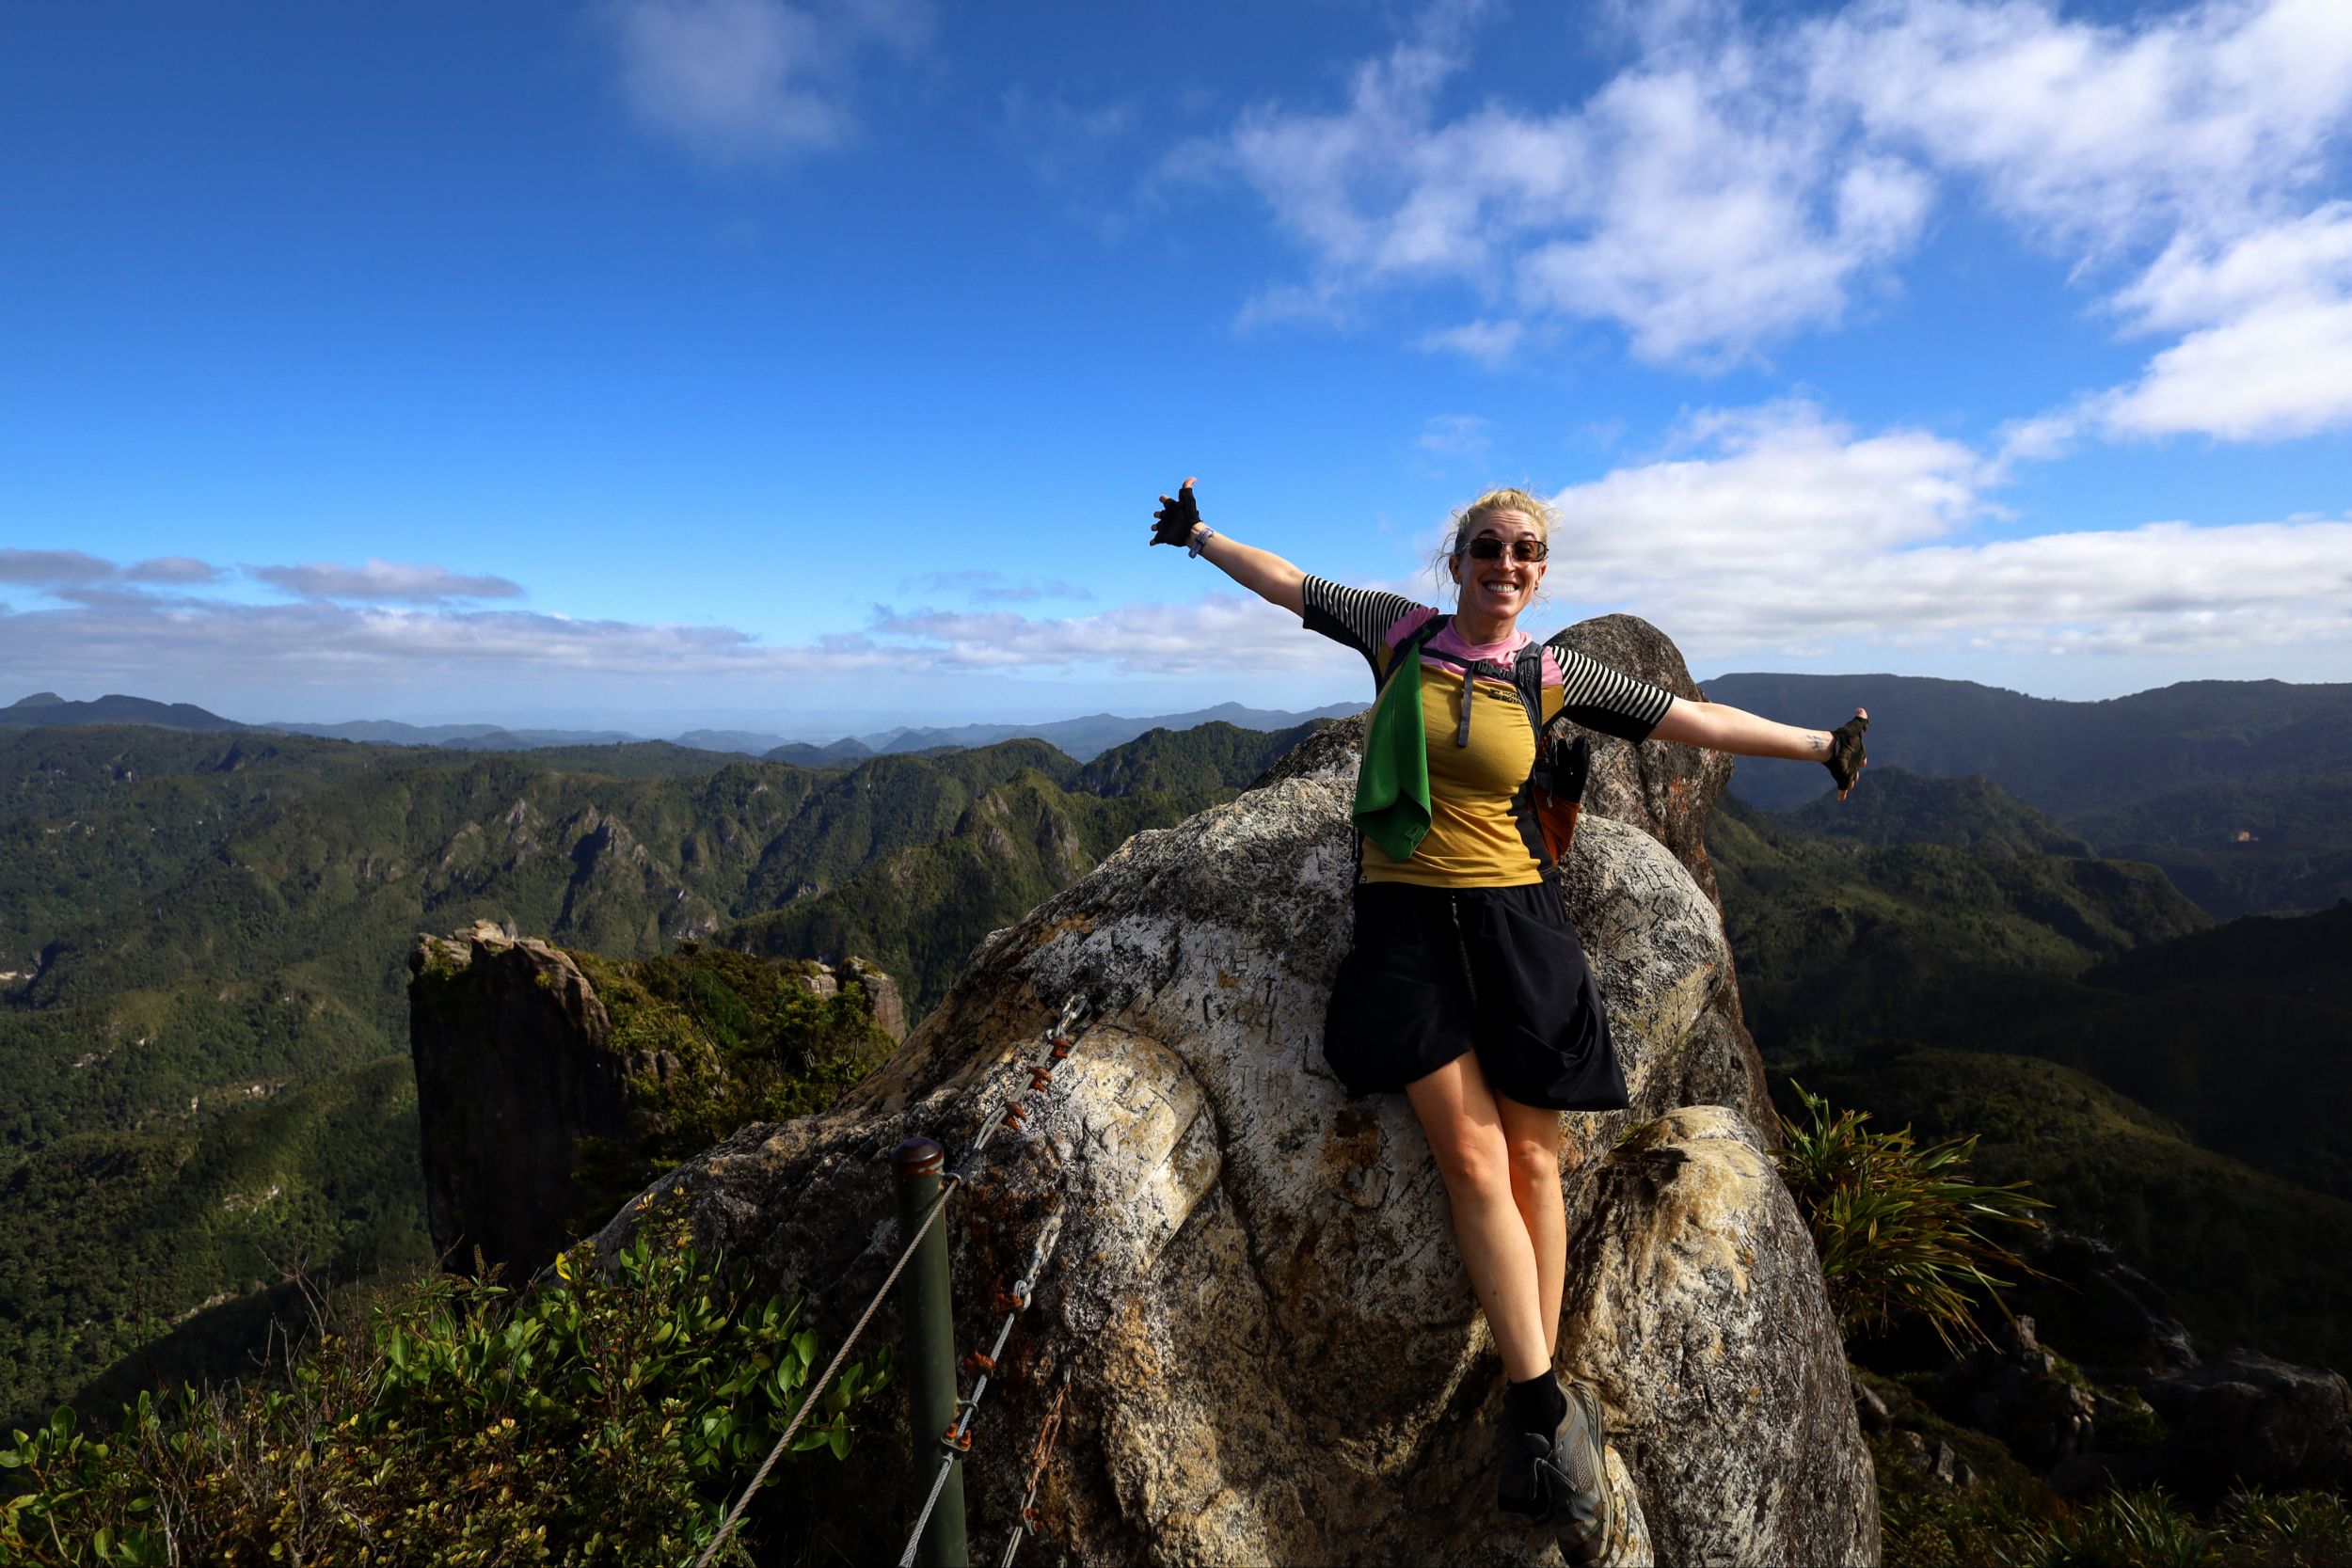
pixel 1072 1011
pixel 957 1439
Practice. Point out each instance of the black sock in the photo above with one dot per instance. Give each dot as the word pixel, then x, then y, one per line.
pixel 1538 1405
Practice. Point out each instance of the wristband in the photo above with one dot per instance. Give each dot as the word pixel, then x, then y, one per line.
pixel 1201 534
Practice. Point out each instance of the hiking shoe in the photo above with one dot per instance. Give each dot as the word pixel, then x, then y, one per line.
pixel 1576 1474
pixel 1524 1465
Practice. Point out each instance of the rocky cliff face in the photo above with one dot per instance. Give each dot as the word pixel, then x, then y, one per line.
pixel 520 1078
pixel 1273 1353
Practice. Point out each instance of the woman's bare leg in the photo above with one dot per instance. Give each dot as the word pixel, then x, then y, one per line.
pixel 1531 1137
pixel 1464 1125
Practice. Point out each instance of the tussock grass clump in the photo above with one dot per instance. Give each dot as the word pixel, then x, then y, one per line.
pixel 1902 1231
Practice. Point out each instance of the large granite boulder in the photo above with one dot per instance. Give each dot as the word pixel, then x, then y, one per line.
pixel 1272 1349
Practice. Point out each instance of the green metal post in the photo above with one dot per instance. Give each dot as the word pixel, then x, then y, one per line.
pixel 926 1351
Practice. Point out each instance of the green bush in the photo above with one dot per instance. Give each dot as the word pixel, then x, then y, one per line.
pixel 1897 1226
pixel 604 1418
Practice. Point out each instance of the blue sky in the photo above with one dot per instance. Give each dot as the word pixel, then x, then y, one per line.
pixel 815 366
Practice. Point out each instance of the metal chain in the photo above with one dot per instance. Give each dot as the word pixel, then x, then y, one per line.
pixel 958 1437
pixel 1072 1009
pixel 1040 1454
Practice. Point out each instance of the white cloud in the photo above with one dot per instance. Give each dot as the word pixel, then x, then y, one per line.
pixel 54 568
pixel 1787 530
pixel 2095 135
pixel 2268 350
pixel 388 581
pixel 1702 210
pixel 1226 634
pixel 1739 180
pixel 176 569
pixel 1453 435
pixel 74 572
pixel 1490 342
pixel 750 80
pixel 119 640
pixel 1716 217
pixel 2278 371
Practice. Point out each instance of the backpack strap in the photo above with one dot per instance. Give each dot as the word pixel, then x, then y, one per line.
pixel 1527 678
pixel 1414 642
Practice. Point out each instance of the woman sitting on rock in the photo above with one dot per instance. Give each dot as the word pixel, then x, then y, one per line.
pixel 1466 986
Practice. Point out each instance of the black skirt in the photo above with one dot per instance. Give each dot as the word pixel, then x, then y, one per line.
pixel 1437 971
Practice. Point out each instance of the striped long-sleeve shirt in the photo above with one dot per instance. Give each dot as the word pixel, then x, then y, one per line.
pixel 1481 834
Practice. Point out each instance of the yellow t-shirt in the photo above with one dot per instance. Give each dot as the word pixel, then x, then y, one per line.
pixel 1475 838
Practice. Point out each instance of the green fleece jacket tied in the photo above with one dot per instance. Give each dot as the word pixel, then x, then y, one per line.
pixel 1392 786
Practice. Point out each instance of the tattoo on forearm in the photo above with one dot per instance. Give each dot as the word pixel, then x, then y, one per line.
pixel 1817 741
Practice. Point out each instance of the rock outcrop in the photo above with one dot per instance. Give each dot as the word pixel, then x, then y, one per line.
pixel 514 1065
pixel 2138 1406
pixel 518 1074
pixel 1273 1352
pixel 2248 1420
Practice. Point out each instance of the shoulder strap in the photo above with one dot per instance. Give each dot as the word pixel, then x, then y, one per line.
pixel 1414 642
pixel 1527 677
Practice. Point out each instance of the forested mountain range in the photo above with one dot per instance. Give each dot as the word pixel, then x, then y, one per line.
pixel 203 1005
pixel 203 940
pixel 1082 737
pixel 2240 790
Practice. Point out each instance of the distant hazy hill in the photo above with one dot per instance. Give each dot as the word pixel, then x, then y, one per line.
pixel 531 740
pixel 1080 738
pixel 1096 732
pixel 388 732
pixel 2241 790
pixel 841 753
pixel 750 742
pixel 462 737
pixel 2065 758
pixel 46 707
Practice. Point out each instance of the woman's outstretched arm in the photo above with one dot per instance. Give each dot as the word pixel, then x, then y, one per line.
pixel 1263 573
pixel 1721 727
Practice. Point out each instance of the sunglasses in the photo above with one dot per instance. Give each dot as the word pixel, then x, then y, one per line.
pixel 1487 548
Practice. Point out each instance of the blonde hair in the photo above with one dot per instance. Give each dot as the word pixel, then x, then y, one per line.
pixel 1467 521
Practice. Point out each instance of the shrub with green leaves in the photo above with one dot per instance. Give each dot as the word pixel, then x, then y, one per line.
pixel 604 1417
pixel 1901 1228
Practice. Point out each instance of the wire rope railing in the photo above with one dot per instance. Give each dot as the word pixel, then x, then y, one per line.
pixel 1014 1118
pixel 957 1440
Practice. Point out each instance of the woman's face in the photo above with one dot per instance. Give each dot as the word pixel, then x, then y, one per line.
pixel 1504 586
